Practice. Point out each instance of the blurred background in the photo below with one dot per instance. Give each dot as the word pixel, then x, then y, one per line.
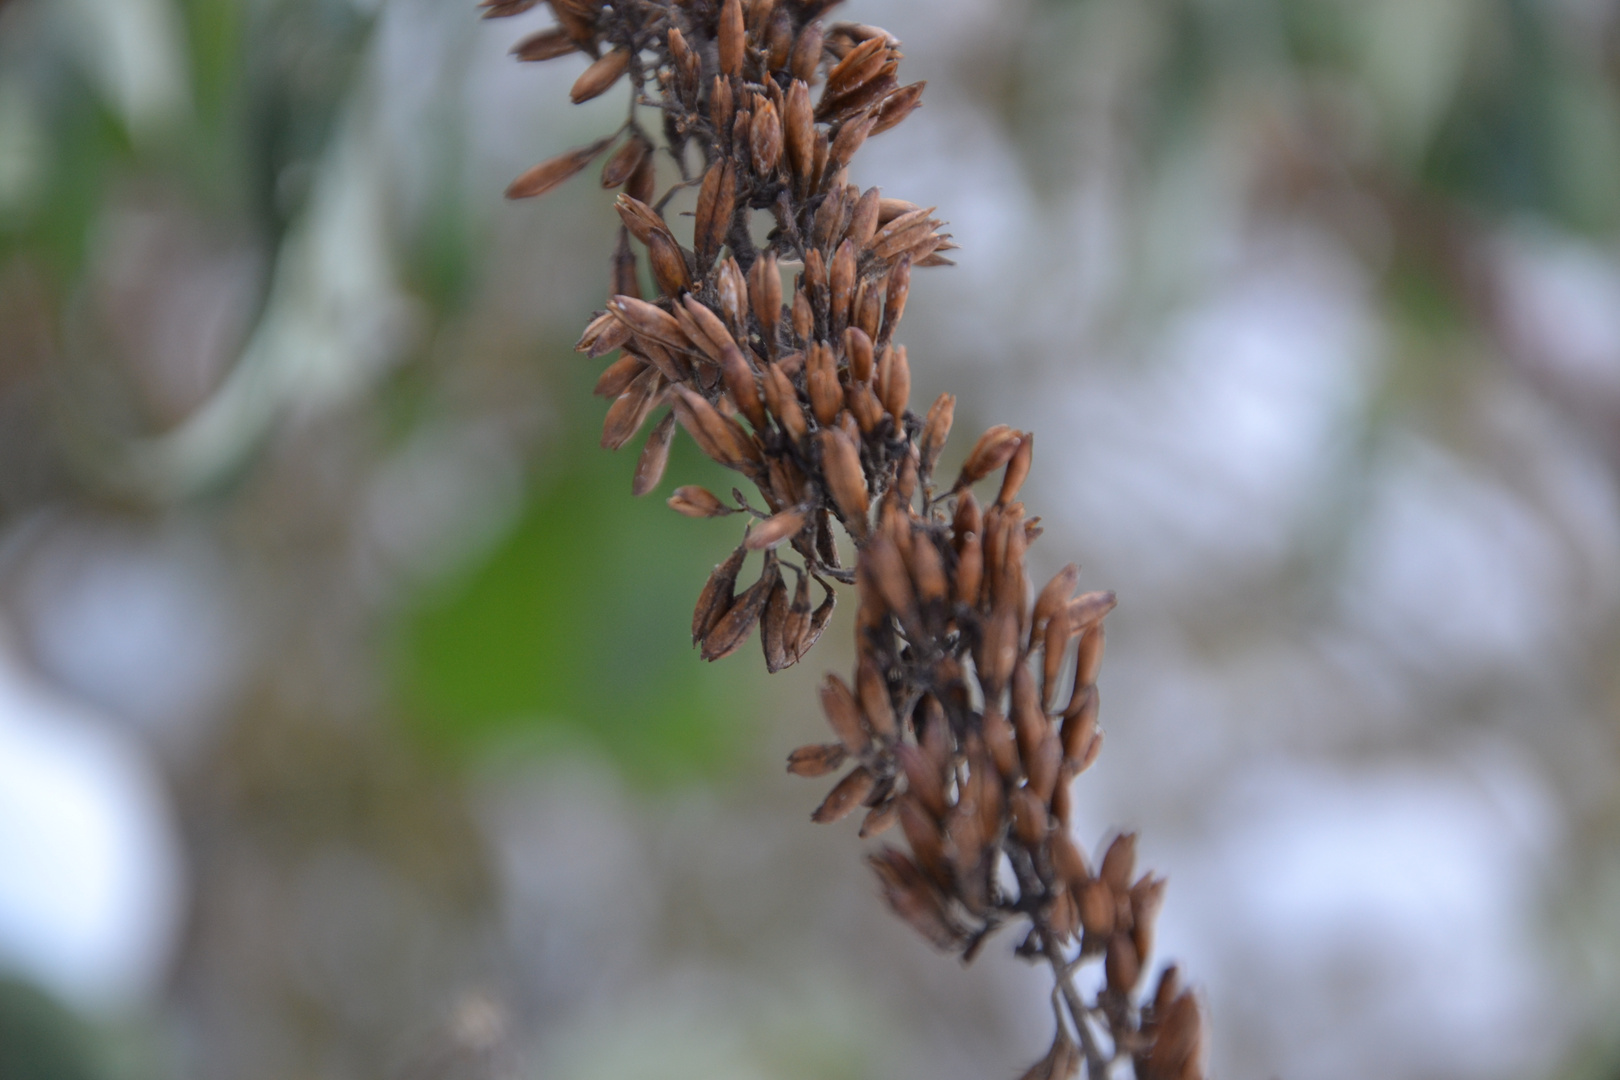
pixel 347 724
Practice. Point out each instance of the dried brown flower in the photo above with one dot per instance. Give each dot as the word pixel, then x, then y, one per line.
pixel 973 708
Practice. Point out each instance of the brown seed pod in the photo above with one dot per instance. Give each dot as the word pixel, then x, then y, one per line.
pixel 895 384
pixel 804 319
pixel 548 174
pixel 806 55
pixel 874 697
pixel 865 406
pixel 732 288
pixel 821 382
pixel 719 591
pixel 1119 862
pixel 855 68
pixel 912 897
pixel 1017 470
pixel 1069 863
pixel 619 375
pixel 765 292
pixel 880 818
pixel 1080 726
pixel 841 287
pixel 993 450
pixel 625 161
pixel 774 530
pixel 923 779
pixel 898 105
pixel 818 623
pixel 738 622
pixel 798 131
pixel 730 38
pixel 1147 897
pixel 500 9
pixel 1179 1047
pixel 783 403
pixel 844 797
pixel 668 265
pixel 844 715
pixel 936 429
pixel 858 352
pixel 851 136
pixel 816 760
pixel 697 502
pixel 1029 816
pixel 650 468
pixel 600 76
pixel 641 219
pixel 1097 909
pixel 842 464
pixel 765 139
pixel 717 200
pixel 969 570
pixel 1122 965
pixel 649 321
pixel 773 627
pixel 630 409
pixel 926 841
pixel 545 45
pixel 1089 659
pixel 1088 608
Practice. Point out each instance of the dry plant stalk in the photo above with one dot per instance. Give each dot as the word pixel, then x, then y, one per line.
pixel 973 706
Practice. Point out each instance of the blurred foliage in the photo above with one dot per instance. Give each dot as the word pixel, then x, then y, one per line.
pixel 563 634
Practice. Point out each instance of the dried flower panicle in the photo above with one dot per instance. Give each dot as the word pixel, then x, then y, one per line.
pixel 974 702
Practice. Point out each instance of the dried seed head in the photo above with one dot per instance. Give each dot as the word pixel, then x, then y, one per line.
pixel 841 287
pixel 858 351
pixel 619 374
pixel 697 502
pixel 896 386
pixel 548 174
pixel 821 382
pixel 650 469
pixel 818 760
pixel 849 140
pixel 601 75
pixel 845 797
pixel 649 321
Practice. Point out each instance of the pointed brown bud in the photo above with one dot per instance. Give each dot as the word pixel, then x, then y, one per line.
pixel 841 287
pixel 765 139
pixel 731 38
pixel 649 320
pixel 641 219
pixel 858 350
pixel 1089 659
pixel 851 137
pixel 722 105
pixel 625 161
pixel 1097 908
pixel 548 174
pixel 936 429
pixel 630 409
pixel 845 797
pixel 993 450
pixel 880 818
pixel 601 75
pixel 798 130
pixel 619 375
pixel 874 695
pixel 737 623
pixel 923 779
pixel 816 760
pixel 969 571
pixel 719 591
pixel 1088 608
pixel 1080 725
pixel 1000 741
pixel 697 502
pixel 773 627
pixel 844 715
pixel 1017 470
pixel 1055 595
pixel 841 462
pixel 783 402
pixel 898 105
pixel 774 530
pixel 668 265
pixel 1119 863
pixel 654 456
pixel 765 292
pixel 896 387
pixel 546 45
pixel 1123 966
pixel 717 200
pixel 804 319
pixel 806 55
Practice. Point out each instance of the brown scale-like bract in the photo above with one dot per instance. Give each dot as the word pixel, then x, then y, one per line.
pixel 973 705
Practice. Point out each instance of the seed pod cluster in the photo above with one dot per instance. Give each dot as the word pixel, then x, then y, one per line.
pixel 973 704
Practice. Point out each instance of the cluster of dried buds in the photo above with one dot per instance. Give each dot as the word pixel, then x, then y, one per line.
pixel 973 706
